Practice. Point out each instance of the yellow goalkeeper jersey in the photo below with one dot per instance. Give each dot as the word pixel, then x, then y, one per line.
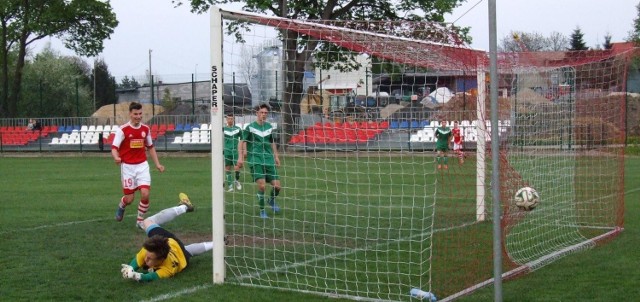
pixel 173 264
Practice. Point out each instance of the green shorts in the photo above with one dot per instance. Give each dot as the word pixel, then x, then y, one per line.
pixel 230 158
pixel 442 148
pixel 266 172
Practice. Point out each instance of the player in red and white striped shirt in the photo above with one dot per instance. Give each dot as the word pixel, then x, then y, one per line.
pixel 457 142
pixel 129 150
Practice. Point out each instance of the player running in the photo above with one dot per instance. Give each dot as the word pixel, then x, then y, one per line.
pixel 129 147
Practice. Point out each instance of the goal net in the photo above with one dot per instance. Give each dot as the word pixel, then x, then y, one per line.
pixel 367 208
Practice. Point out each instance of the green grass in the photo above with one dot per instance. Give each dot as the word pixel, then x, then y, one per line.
pixel 59 241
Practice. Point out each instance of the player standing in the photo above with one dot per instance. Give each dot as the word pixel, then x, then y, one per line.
pixel 128 149
pixel 232 134
pixel 443 136
pixel 457 142
pixel 262 156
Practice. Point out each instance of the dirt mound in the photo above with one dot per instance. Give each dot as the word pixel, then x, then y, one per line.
pixel 105 115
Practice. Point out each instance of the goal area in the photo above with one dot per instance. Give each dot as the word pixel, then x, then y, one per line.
pixel 368 209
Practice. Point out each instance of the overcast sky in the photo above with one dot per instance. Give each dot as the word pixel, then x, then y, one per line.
pixel 179 40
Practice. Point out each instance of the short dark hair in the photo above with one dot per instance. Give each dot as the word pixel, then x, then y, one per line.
pixel 135 106
pixel 263 105
pixel 158 245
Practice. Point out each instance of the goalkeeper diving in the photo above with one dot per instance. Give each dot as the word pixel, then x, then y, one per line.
pixel 163 255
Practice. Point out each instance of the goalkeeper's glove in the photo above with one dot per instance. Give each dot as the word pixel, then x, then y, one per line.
pixel 128 273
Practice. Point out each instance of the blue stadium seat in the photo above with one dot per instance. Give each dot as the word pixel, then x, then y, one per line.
pixel 394 124
pixel 404 125
pixel 414 124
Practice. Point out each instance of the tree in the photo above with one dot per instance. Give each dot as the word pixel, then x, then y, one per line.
pixel 577 40
pixel 298 49
pixel 634 33
pixel 521 41
pixel 81 25
pixel 607 41
pixel 55 85
pixel 105 84
pixel 128 83
pixel 557 41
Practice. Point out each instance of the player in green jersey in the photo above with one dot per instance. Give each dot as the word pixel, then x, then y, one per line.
pixel 443 136
pixel 259 148
pixel 232 135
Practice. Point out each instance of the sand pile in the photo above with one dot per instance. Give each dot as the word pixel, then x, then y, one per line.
pixel 105 115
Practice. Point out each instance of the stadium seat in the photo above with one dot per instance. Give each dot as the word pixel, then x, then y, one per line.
pixel 394 124
pixel 404 125
pixel 177 140
pixel 54 141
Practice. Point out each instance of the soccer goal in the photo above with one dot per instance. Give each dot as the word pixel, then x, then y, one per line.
pixel 368 209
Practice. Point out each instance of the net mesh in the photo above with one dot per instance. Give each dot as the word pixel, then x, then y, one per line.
pixel 368 210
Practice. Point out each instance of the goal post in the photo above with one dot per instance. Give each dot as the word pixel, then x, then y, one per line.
pixel 367 209
pixel 217 164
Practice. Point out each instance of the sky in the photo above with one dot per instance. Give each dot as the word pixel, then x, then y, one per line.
pixel 175 42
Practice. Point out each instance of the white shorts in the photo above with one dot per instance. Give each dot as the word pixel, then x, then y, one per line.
pixel 135 177
pixel 457 147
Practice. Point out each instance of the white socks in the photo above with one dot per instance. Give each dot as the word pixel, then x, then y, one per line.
pixel 167 215
pixel 199 248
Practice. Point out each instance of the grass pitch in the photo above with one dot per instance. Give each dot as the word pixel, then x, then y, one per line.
pixel 59 241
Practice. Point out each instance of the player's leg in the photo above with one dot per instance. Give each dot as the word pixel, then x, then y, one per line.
pixel 445 160
pixel 143 180
pixel 127 178
pixel 439 158
pixel 228 177
pixel 258 175
pixel 236 170
pixel 199 248
pixel 165 215
pixel 273 178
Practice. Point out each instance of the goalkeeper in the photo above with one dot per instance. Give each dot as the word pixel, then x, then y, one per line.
pixel 163 255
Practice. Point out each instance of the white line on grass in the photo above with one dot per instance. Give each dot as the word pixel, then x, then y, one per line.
pixel 179 293
pixel 298 264
pixel 46 226
pixel 283 268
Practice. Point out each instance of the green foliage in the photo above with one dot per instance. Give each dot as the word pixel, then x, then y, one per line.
pixel 128 83
pixel 607 41
pixel 105 84
pixel 577 40
pixel 81 25
pixel 167 100
pixel 50 87
pixel 634 33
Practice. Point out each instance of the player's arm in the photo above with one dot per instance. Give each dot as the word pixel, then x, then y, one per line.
pixel 242 148
pixel 115 146
pixel 154 157
pixel 274 149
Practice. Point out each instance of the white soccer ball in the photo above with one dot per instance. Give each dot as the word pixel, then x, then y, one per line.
pixel 527 198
